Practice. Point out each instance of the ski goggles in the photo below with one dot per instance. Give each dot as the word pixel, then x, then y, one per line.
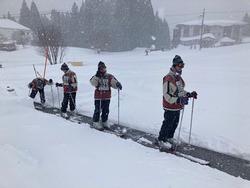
pixel 181 65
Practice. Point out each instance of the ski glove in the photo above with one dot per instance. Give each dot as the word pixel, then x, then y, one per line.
pixel 58 85
pixel 119 85
pixel 98 74
pixel 192 95
pixel 30 85
pixel 182 100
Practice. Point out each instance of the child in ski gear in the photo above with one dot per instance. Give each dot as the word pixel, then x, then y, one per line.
pixel 174 99
pixel 103 82
pixel 37 85
pixel 70 88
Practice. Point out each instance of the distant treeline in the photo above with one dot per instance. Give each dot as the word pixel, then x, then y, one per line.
pixel 246 19
pixel 112 25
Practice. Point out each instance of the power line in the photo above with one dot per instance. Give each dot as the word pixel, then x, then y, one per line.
pixel 227 12
pixel 207 12
pixel 202 28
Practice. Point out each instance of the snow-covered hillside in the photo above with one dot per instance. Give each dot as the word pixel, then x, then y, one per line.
pixel 39 150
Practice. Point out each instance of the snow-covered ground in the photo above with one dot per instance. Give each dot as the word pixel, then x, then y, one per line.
pixel 39 150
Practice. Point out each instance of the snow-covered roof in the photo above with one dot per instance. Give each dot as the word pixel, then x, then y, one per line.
pixel 226 39
pixel 8 42
pixel 206 35
pixel 9 24
pixel 215 22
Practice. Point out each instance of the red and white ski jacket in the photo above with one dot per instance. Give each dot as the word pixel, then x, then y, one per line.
pixel 39 83
pixel 69 82
pixel 173 88
pixel 103 86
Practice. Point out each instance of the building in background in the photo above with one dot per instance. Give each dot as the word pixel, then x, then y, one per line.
pixel 11 33
pixel 215 33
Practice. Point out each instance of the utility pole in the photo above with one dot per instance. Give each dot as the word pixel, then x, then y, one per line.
pixel 202 27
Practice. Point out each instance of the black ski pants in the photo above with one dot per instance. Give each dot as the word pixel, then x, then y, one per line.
pixel 169 125
pixel 68 98
pixel 101 106
pixel 41 92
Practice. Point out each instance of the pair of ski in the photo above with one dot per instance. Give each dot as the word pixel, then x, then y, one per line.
pixel 149 140
pixel 173 149
pixel 124 132
pixel 113 129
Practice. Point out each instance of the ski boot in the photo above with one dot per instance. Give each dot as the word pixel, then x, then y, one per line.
pixel 175 143
pixel 165 146
pixel 106 125
pixel 65 115
pixel 98 126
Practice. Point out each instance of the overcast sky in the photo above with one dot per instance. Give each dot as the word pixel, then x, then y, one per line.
pixel 173 10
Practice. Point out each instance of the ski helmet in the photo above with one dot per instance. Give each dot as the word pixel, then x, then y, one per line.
pixel 64 67
pixel 101 65
pixel 178 61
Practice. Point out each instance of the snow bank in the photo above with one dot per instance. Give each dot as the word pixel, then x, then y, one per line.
pixel 39 150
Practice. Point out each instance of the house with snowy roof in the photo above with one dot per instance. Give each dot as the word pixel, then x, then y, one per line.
pixel 189 33
pixel 9 28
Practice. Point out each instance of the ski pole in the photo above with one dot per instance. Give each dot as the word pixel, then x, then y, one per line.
pixel 191 122
pixel 35 70
pixel 29 92
pixel 100 109
pixel 118 106
pixel 179 133
pixel 59 102
pixel 53 101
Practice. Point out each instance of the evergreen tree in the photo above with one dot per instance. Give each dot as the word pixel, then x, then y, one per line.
pixel 82 30
pixel 114 25
pixel 58 19
pixel 246 18
pixel 55 17
pixel 74 29
pixel 165 36
pixel 25 15
pixel 162 33
pixel 87 17
pixel 65 20
pixel 102 25
pixel 10 17
pixel 122 35
pixel 246 30
pixel 35 20
pixel 147 23
pixel 45 20
pixel 144 22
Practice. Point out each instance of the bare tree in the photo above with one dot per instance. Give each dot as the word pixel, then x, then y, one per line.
pixel 51 43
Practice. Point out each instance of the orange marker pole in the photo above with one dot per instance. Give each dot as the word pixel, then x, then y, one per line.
pixel 46 59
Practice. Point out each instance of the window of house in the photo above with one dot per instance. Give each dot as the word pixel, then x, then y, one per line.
pixel 186 31
pixel 196 30
pixel 227 31
pixel 236 32
pixel 206 29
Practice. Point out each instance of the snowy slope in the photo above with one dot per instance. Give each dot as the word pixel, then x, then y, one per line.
pixel 39 150
pixel 220 76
